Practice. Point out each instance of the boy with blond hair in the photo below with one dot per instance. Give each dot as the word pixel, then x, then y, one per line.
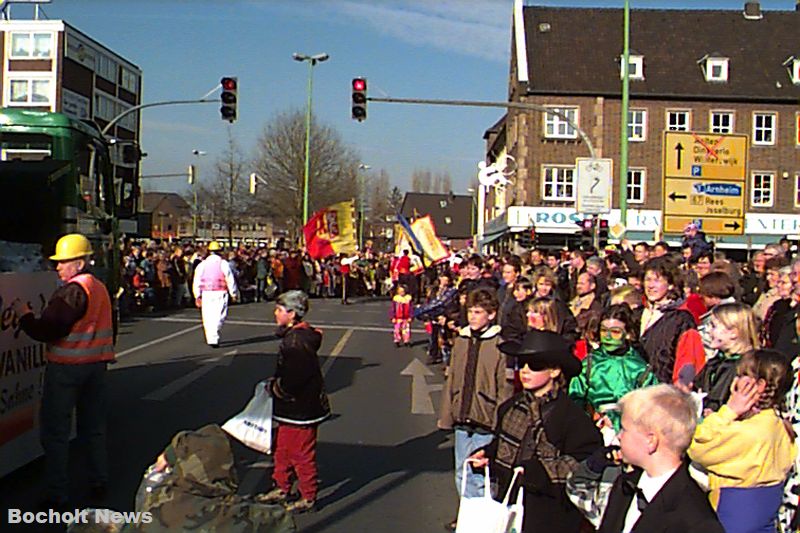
pixel 653 491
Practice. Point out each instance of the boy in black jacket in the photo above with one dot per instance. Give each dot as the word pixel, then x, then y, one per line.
pixel 655 494
pixel 299 403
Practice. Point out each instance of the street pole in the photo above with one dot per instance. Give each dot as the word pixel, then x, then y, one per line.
pixel 623 148
pixel 308 142
pixel 312 61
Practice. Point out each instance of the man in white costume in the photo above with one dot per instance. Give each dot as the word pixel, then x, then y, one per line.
pixel 213 282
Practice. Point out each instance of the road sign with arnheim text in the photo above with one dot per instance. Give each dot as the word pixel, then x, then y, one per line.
pixel 594 181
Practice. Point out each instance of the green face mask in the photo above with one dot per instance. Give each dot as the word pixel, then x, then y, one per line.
pixel 612 345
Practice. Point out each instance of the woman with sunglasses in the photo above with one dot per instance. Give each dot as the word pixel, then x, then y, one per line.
pixel 613 369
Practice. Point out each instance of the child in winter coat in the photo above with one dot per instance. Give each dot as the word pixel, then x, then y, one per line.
pixel 300 404
pixel 613 369
pixel 746 447
pixel 401 316
pixel 541 430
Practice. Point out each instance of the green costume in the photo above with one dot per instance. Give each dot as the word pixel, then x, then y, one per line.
pixel 608 377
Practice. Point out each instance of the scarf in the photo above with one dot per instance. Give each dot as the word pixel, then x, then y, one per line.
pixel 522 437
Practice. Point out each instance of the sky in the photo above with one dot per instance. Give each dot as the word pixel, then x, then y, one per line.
pixel 442 49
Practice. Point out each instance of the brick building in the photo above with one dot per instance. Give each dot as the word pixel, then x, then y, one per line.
pixel 49 65
pixel 717 71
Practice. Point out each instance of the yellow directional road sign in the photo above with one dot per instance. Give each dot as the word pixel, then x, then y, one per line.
pixel 705 155
pixel 704 182
pixel 704 198
pixel 711 226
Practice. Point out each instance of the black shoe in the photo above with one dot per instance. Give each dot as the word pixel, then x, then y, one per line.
pixel 451 526
pixel 432 361
pixel 215 346
pixel 397 345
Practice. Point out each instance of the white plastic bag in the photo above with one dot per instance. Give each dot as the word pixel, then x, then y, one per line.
pixel 253 426
pixel 486 515
pixel 516 511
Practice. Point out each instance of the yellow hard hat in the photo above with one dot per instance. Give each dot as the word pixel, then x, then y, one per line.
pixel 214 246
pixel 72 246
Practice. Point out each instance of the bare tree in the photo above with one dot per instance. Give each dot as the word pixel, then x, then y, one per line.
pixel 421 180
pixel 280 162
pixel 227 196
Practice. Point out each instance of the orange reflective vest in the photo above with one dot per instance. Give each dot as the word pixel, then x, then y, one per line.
pixel 91 339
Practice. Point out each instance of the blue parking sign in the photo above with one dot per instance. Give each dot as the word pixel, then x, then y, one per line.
pixel 697 170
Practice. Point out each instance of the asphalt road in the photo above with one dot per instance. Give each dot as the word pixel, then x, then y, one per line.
pixel 382 467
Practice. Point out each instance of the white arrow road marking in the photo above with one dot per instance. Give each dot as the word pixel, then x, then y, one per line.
pixel 157 341
pixel 168 390
pixel 421 403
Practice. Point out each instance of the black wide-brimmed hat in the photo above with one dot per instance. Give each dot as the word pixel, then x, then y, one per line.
pixel 544 349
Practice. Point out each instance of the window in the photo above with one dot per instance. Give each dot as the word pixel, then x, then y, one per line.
pixel 558 183
pixel 29 92
pixel 716 69
pixel 761 190
pixel 721 122
pixel 636 181
pixel 27 45
pixel 637 125
pixel 556 127
pixel 764 128
pixel 678 120
pixel 129 80
pixel 635 67
pixel 792 65
pixel 106 67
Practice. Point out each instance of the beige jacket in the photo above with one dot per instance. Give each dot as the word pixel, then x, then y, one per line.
pixel 491 386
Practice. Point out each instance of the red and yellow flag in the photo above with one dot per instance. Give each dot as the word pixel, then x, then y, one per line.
pixel 331 231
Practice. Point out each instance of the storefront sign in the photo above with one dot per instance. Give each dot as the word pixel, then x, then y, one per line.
pixel 74 105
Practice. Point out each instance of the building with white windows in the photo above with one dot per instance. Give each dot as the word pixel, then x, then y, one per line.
pixel 716 71
pixel 51 66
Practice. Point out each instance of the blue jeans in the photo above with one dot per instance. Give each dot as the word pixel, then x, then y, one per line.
pixel 467 442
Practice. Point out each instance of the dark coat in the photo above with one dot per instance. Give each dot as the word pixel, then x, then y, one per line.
pixel 569 429
pixel 679 507
pixel 660 341
pixel 298 387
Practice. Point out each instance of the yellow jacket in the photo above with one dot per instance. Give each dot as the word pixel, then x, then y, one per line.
pixel 754 452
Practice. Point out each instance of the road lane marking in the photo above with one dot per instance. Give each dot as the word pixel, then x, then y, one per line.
pixel 170 389
pixel 336 351
pixel 157 341
pixel 421 402
pixel 320 325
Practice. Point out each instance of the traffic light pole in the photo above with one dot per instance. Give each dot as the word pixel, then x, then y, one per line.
pixel 507 105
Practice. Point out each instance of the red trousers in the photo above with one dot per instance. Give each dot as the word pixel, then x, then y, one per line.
pixel 296 451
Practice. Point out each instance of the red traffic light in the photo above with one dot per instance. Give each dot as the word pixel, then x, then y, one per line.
pixel 228 84
pixel 586 223
pixel 359 84
pixel 603 223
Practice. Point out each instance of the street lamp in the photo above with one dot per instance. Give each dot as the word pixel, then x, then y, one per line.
pixel 361 191
pixel 312 60
pixel 197 153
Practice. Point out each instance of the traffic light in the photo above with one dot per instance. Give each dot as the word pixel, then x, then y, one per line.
pixel 525 239
pixel 191 174
pixel 359 99
pixel 253 182
pixel 602 234
pixel 131 154
pixel 587 233
pixel 229 99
